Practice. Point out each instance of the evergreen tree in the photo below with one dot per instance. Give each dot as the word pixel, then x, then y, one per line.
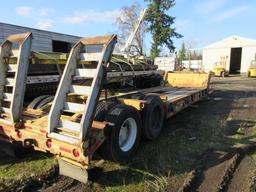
pixel 182 52
pixel 160 25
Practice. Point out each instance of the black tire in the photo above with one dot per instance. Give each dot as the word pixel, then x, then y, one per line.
pixel 152 117
pixel 249 74
pixel 117 116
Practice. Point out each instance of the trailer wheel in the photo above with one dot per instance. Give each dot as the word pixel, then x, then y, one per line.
pixel 123 136
pixel 152 117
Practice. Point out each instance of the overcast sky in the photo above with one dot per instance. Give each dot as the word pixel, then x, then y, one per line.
pixel 200 21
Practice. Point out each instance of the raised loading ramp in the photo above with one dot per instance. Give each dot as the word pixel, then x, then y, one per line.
pixel 14 61
pixel 66 129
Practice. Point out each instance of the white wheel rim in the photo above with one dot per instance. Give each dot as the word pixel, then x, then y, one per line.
pixel 127 134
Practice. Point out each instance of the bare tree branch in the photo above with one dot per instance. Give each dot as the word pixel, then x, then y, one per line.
pixel 125 23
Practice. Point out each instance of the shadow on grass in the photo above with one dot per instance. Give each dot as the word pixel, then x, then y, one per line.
pixel 14 153
pixel 185 137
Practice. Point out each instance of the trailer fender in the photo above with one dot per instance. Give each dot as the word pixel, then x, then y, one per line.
pixel 102 109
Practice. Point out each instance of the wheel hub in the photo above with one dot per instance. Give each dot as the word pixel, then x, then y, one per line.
pixel 127 134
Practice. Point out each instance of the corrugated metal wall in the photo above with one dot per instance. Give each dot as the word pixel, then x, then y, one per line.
pixel 42 40
pixel 248 55
pixel 212 56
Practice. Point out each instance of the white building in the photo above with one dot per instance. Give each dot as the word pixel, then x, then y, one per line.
pixel 240 52
pixel 194 65
pixel 166 63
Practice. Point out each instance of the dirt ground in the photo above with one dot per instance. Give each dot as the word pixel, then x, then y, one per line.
pixel 207 147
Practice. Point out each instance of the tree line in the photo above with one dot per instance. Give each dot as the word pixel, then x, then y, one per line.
pixel 185 53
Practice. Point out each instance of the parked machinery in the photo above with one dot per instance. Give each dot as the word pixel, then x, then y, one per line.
pixel 220 67
pixel 252 69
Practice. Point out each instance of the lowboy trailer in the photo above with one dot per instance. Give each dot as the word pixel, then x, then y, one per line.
pixel 84 116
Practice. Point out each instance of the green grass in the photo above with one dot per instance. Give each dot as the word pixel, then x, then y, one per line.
pixel 24 169
pixel 243 136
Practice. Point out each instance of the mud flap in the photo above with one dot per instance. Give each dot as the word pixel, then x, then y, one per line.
pixel 75 172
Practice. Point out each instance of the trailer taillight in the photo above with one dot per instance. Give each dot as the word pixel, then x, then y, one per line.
pixel 76 153
pixel 49 143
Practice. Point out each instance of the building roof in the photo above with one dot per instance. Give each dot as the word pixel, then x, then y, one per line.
pixel 34 29
pixel 232 42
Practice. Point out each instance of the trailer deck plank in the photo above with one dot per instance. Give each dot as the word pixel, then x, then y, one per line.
pixel 173 96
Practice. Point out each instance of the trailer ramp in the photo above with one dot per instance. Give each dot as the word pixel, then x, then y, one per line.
pixel 14 62
pixel 84 51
